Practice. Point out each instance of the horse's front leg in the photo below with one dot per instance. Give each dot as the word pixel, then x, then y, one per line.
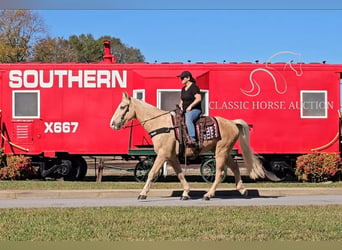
pixel 220 162
pixel 154 170
pixel 174 163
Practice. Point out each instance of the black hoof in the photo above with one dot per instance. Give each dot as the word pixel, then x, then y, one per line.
pixel 206 198
pixel 142 197
pixel 184 198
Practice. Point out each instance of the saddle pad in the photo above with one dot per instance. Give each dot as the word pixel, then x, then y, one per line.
pixel 207 128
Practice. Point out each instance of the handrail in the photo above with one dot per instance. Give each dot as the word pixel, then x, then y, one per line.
pixel 326 145
pixel 14 145
pixel 332 141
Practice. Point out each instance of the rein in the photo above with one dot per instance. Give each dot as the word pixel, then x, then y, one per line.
pixel 150 119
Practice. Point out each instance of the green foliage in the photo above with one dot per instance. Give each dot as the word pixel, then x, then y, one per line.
pixel 318 167
pixel 54 50
pixel 83 49
pixel 2 158
pixel 19 30
pixel 17 167
pixel 88 50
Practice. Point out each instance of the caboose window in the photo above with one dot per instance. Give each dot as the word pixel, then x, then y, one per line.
pixel 26 104
pixel 139 94
pixel 167 99
pixel 314 104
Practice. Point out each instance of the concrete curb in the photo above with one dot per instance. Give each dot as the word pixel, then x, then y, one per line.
pixel 120 193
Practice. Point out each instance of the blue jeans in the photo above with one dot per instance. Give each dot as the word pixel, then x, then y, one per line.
pixel 190 119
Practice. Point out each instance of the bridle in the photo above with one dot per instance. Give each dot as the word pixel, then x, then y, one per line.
pixel 126 107
pixel 142 122
pixel 124 114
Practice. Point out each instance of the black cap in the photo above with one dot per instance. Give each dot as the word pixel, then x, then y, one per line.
pixel 185 74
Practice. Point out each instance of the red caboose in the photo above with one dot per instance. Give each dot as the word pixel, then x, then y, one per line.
pixel 58 113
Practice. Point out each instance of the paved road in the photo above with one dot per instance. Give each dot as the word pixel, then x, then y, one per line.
pixel 172 201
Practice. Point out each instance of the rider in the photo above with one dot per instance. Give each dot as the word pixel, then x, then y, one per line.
pixel 190 102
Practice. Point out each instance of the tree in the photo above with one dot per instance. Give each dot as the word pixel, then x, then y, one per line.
pixel 51 50
pixel 23 38
pixel 19 29
pixel 87 49
pixel 90 50
pixel 123 53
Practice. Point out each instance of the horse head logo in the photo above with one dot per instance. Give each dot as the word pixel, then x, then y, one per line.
pixel 255 89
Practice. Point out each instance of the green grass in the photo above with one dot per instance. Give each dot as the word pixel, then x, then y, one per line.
pixel 300 223
pixel 55 185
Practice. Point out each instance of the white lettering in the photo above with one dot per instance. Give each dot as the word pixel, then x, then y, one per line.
pixel 103 77
pixel 67 78
pixel 48 84
pixel 77 78
pixel 60 74
pixel 117 78
pixel 48 127
pixel 74 126
pixel 15 79
pixel 30 79
pixel 61 127
pixel 90 78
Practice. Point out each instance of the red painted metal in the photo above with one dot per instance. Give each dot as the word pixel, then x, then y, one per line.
pixel 78 100
pixel 108 57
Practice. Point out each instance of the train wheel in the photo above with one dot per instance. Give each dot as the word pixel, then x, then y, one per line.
pixel 279 168
pixel 208 171
pixel 78 168
pixel 81 166
pixel 142 170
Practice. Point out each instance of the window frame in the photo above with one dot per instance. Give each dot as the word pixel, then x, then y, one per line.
pixel 136 91
pixel 203 91
pixel 14 92
pixel 325 92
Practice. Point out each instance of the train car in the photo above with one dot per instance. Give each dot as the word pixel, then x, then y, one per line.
pixel 57 113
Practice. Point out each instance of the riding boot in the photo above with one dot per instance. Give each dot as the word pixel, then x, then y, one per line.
pixel 192 144
pixel 192 150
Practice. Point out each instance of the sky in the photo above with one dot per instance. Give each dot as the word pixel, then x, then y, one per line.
pixel 207 31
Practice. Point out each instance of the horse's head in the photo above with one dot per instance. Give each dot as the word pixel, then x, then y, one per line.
pixel 123 113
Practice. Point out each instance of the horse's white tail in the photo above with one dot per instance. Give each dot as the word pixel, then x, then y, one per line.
pixel 254 166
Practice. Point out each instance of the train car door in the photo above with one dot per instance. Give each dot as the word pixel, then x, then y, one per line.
pixel 25 110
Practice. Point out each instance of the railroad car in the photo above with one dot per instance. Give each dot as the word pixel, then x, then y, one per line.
pixel 57 113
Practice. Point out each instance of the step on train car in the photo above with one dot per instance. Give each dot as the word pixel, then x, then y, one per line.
pixel 57 113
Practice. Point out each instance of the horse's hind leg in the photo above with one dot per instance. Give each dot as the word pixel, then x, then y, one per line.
pixel 154 170
pixel 178 170
pixel 238 181
pixel 221 160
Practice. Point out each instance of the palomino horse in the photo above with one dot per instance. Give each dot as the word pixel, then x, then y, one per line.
pixel 166 145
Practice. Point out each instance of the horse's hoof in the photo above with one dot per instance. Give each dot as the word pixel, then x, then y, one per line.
pixel 142 197
pixel 245 193
pixel 184 198
pixel 206 198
